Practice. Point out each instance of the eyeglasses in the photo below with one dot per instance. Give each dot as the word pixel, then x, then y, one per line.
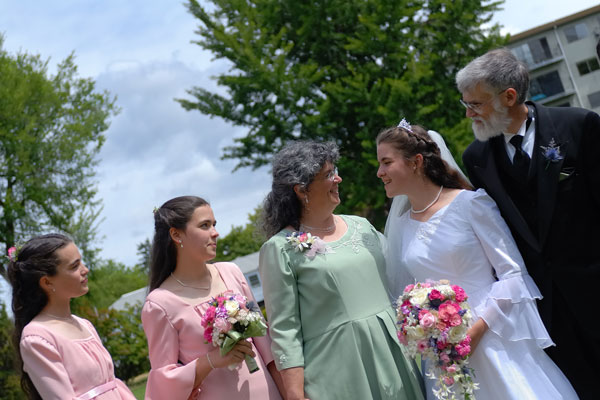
pixel 332 174
pixel 476 107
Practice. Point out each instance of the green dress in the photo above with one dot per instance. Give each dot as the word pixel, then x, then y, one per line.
pixel 331 315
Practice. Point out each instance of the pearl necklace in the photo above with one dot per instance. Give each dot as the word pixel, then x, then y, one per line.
pixel 328 229
pixel 190 286
pixel 429 205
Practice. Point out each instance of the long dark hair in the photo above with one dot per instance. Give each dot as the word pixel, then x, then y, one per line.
pixel 418 141
pixel 297 163
pixel 36 259
pixel 175 213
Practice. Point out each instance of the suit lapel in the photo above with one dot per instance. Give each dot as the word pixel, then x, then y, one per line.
pixel 487 168
pixel 547 172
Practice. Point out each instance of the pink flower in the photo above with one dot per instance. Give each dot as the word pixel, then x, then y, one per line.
pixel 408 288
pixel 444 357
pixel 435 295
pixel 459 293
pixel 422 345
pixel 318 246
pixel 448 380
pixel 302 237
pixel 463 350
pixel 455 320
pixel 222 325
pixel 208 334
pixel 402 338
pixel 447 310
pixel 452 369
pixel 426 319
pixel 11 253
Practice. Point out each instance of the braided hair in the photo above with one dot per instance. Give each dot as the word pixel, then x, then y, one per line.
pixel 36 259
pixel 417 141
pixel 175 213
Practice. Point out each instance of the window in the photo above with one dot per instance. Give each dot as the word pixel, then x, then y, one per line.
pixel 576 32
pixel 594 99
pixel 534 51
pixel 587 66
pixel 545 86
pixel 253 280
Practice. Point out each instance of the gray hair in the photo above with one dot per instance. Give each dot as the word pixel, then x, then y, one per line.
pixel 297 163
pixel 498 70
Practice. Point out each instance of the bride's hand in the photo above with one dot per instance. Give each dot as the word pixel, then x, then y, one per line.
pixel 476 332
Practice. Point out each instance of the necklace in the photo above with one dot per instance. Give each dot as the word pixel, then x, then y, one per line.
pixel 190 286
pixel 69 318
pixel 428 205
pixel 328 229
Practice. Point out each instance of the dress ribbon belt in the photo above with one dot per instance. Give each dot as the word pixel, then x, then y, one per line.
pixel 98 390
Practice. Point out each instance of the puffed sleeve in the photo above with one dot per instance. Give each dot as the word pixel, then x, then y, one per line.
pixel 281 301
pixel 44 365
pixel 510 310
pixel 168 379
pixel 262 343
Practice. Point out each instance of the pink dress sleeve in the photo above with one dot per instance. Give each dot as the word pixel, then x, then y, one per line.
pixel 168 378
pixel 44 365
pixel 262 343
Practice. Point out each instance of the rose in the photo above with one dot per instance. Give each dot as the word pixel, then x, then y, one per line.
pixel 435 295
pixel 222 325
pixel 448 380
pixel 426 319
pixel 419 296
pixel 447 310
pixel 456 334
pixel 422 345
pixel 232 307
pixel 459 293
pixel 408 288
pixel 463 351
pixel 452 369
pixel 12 252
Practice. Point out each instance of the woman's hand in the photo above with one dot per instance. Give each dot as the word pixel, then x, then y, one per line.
pixel 235 355
pixel 476 332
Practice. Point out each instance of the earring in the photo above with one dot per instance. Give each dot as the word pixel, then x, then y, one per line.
pixel 53 290
pixel 180 244
pixel 306 199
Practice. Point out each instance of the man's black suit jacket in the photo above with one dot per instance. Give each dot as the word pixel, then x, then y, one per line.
pixel 562 252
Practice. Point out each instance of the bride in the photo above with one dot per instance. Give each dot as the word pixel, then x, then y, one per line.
pixel 441 229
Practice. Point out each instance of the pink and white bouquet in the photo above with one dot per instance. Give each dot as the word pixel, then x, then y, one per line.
pixel 434 318
pixel 230 317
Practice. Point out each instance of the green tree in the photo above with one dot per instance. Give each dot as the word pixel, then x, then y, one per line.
pixel 339 70
pixel 107 282
pixel 51 130
pixel 144 252
pixel 241 240
pixel 10 386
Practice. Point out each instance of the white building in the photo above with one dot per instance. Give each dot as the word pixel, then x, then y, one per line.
pixel 563 64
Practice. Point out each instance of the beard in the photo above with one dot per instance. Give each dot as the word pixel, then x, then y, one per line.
pixel 497 122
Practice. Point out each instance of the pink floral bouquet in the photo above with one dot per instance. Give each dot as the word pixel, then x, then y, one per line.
pixel 433 318
pixel 230 317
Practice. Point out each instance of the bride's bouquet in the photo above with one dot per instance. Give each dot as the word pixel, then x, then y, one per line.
pixel 433 318
pixel 230 317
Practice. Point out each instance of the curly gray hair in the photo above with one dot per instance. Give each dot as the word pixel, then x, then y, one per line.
pixel 297 163
pixel 498 70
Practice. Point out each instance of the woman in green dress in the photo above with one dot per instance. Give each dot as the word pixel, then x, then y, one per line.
pixel 331 321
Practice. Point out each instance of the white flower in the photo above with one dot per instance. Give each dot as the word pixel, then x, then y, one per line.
pixel 418 296
pixel 232 307
pixel 457 333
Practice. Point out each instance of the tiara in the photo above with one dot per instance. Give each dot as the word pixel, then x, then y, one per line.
pixel 404 124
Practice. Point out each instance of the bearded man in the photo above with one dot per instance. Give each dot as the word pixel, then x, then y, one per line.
pixel 542 167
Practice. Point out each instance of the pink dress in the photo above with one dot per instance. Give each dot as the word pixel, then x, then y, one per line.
pixel 76 369
pixel 175 341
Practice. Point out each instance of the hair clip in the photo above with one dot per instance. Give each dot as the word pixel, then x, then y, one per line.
pixel 12 254
pixel 404 124
pixel 154 210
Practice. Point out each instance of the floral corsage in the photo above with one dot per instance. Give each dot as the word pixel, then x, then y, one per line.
pixel 551 152
pixel 302 241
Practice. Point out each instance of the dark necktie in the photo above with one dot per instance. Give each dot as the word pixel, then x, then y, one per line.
pixel 521 159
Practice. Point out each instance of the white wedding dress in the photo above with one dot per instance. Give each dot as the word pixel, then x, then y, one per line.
pixel 468 243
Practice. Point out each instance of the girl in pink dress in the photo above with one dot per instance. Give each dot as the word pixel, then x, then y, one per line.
pixel 62 355
pixel 181 284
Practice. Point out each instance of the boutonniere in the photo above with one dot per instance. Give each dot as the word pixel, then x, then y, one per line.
pixel 302 241
pixel 551 152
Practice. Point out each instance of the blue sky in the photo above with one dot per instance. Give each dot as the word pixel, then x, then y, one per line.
pixel 140 51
